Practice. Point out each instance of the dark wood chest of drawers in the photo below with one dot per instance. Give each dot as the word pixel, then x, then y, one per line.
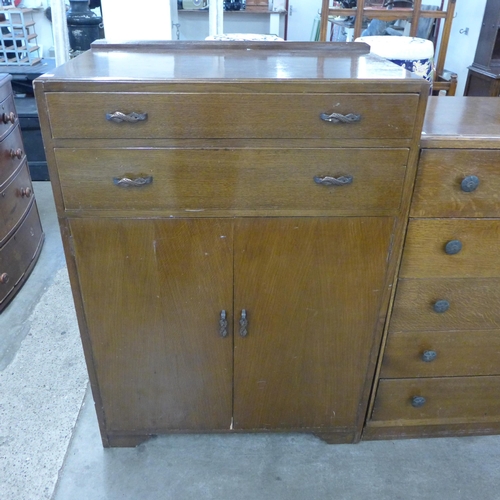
pixel 232 215
pixel 21 235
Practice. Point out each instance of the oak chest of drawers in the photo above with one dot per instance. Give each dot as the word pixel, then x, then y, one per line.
pixel 232 216
pixel 21 235
pixel 440 373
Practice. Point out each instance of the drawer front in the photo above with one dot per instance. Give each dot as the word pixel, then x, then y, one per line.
pixel 446 399
pixel 442 354
pixel 18 252
pixel 200 180
pixel 425 249
pixel 234 115
pixel 8 116
pixel 15 198
pixel 457 183
pixel 463 304
pixel 11 154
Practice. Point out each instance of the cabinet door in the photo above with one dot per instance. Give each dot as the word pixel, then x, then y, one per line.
pixel 152 292
pixel 311 289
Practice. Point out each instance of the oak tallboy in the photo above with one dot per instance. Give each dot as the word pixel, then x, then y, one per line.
pixel 233 217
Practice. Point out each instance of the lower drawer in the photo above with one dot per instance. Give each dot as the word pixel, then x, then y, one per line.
pixel 201 180
pixel 442 400
pixel 18 252
pixel 442 354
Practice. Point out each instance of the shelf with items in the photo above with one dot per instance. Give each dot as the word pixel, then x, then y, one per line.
pixel 18 38
pixel 388 10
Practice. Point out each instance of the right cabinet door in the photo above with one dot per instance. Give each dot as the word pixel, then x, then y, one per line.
pixel 311 289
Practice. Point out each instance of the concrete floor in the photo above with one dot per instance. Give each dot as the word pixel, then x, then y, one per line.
pixel 184 467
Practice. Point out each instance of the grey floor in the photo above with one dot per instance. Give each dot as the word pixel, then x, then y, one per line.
pixel 50 446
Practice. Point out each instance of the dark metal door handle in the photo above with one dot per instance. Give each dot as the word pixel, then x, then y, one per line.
pixel 119 117
pixel 243 323
pixel 223 324
pixel 338 118
pixel 343 180
pixel 137 182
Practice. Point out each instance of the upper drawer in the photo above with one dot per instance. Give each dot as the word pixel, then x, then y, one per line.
pixel 198 180
pixel 457 183
pixel 15 198
pixel 8 116
pixel 232 115
pixel 428 241
pixel 11 154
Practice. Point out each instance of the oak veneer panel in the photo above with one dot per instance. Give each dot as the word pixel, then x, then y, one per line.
pixel 19 252
pixel 440 173
pixel 312 290
pixel 236 179
pixel 231 115
pixel 424 255
pixel 473 304
pixel 468 399
pixel 152 293
pixel 459 353
pixel 13 204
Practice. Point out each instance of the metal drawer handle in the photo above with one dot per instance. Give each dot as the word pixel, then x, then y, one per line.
pixel 429 356
pixel 223 324
pixel 453 247
pixel 243 323
pixel 338 118
pixel 9 117
pixel 26 192
pixel 334 181
pixel 16 153
pixel 469 184
pixel 119 117
pixel 4 278
pixel 441 306
pixel 418 401
pixel 138 182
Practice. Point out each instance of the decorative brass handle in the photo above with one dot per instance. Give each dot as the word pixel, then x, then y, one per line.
pixel 469 184
pixel 429 356
pixel 338 118
pixel 418 401
pixel 16 153
pixel 26 192
pixel 334 181
pixel 223 324
pixel 119 117
pixel 453 247
pixel 127 182
pixel 9 117
pixel 441 306
pixel 243 323
pixel 4 278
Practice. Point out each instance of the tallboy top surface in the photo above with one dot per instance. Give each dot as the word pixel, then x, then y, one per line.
pixel 213 61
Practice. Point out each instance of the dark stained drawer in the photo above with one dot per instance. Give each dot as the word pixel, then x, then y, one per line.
pixel 457 183
pixel 453 399
pixel 200 180
pixel 11 154
pixel 15 198
pixel 18 252
pixel 8 114
pixel 425 252
pixel 442 354
pixel 231 115
pixel 446 304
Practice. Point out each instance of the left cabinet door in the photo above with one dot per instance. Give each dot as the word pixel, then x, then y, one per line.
pixel 153 292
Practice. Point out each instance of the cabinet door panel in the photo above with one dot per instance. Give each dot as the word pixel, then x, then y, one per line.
pixel 312 290
pixel 152 293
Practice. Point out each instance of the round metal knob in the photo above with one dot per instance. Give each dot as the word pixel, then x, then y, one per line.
pixel 470 183
pixel 26 192
pixel 429 356
pixel 9 117
pixel 453 247
pixel 16 153
pixel 441 306
pixel 418 401
pixel 4 278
